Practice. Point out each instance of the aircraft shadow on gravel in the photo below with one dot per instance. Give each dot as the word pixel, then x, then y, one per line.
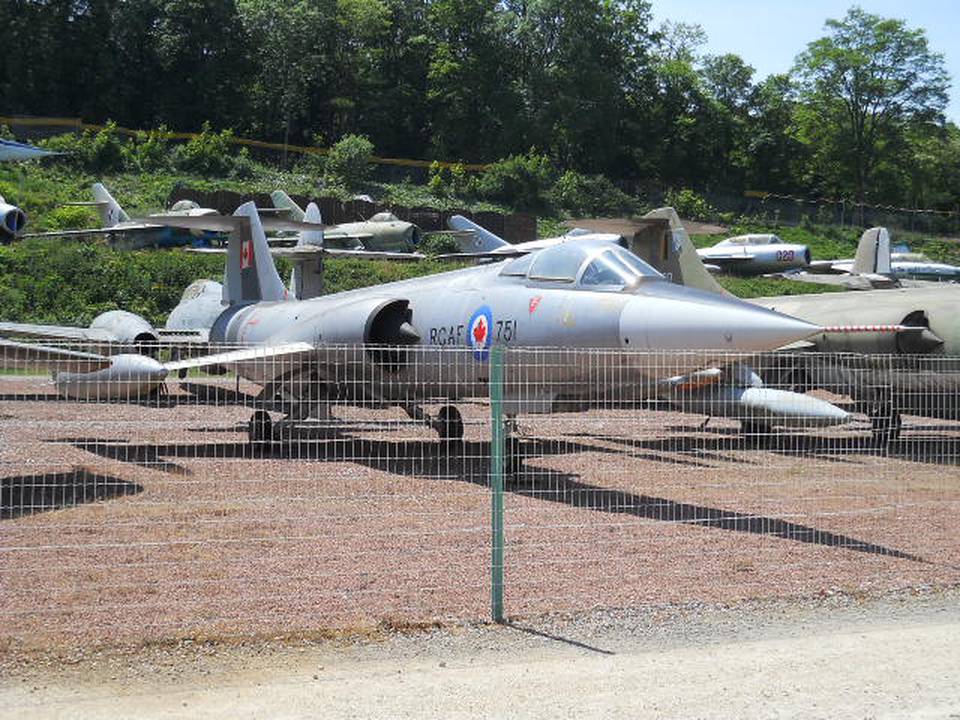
pixel 194 394
pixel 470 463
pixel 930 448
pixel 28 494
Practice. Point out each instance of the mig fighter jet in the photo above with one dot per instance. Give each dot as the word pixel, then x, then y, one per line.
pixel 755 255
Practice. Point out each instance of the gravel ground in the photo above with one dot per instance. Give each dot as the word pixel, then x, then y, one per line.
pixel 160 523
pixel 893 656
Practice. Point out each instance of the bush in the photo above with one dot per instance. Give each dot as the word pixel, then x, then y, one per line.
pixel 521 181
pixel 436 182
pixel 690 205
pixel 450 182
pixel 439 244
pixel 582 195
pixel 244 166
pixel 209 153
pixel 148 151
pixel 348 163
pixel 96 151
pixel 70 218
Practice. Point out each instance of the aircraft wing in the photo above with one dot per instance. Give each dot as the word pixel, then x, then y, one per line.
pixel 22 355
pixel 13 150
pixel 306 252
pixel 57 332
pixel 830 267
pixel 718 258
pixel 120 229
pixel 289 351
pixel 339 235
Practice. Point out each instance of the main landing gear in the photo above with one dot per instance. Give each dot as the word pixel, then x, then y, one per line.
pixel 885 427
pixel 260 427
pixel 448 423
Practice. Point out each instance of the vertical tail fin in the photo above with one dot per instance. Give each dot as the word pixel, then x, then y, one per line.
pixel 306 279
pixel 674 254
pixel 483 241
pixel 250 274
pixel 291 211
pixel 110 211
pixel 873 253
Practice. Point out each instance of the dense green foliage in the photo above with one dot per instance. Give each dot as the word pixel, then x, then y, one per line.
pixel 348 163
pixel 52 281
pixel 590 85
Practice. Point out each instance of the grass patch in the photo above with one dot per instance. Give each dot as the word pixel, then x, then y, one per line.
pixel 764 287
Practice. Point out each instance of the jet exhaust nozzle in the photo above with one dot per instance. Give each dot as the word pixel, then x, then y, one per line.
pixel 13 220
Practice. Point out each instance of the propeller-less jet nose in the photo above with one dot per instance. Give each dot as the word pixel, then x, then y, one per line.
pixel 683 318
pixel 407 334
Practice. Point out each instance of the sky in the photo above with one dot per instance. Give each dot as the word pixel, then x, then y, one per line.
pixel 769 34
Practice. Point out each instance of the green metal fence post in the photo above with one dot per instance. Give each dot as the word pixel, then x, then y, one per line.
pixel 496 483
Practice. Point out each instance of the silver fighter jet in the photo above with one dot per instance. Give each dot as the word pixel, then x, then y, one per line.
pixel 587 294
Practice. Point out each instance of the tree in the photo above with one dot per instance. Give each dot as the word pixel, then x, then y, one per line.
pixel 776 158
pixel 729 79
pixel 863 84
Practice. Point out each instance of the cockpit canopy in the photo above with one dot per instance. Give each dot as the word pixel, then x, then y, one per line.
pixel 755 239
pixel 592 265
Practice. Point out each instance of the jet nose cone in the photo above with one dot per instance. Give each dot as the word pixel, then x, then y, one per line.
pixel 706 323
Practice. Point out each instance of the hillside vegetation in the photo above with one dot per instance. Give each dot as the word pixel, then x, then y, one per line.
pixel 589 87
pixel 66 281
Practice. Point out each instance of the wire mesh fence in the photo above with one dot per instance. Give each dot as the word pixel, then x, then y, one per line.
pixel 341 488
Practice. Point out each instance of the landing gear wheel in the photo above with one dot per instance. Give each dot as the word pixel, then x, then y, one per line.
pixel 449 424
pixel 886 427
pixel 758 432
pixel 260 428
pixel 512 461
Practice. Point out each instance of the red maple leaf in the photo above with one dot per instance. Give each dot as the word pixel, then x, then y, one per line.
pixel 480 330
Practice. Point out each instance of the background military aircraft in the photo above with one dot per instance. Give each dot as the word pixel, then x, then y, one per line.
pixel 475 240
pixel 134 234
pixel 755 254
pixel 877 265
pixel 383 232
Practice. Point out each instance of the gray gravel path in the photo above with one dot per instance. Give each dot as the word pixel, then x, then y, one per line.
pixel 831 657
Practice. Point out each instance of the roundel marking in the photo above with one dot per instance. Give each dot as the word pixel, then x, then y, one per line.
pixel 479 332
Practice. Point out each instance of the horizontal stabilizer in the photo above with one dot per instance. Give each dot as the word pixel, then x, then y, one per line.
pixel 57 332
pixel 309 252
pixel 16 355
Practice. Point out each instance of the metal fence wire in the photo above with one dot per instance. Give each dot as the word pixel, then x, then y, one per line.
pixel 347 488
